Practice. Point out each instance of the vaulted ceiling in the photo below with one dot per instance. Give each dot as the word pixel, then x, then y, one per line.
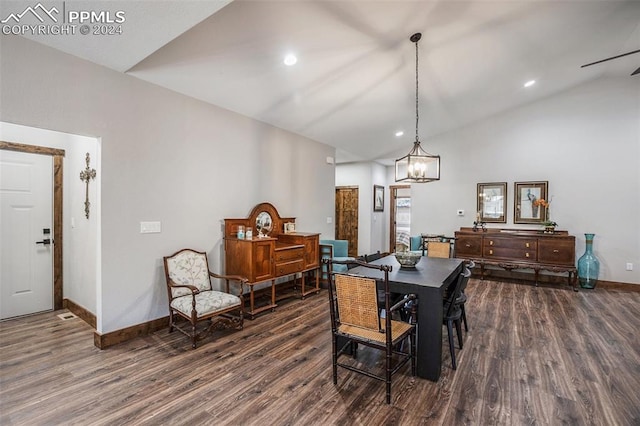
pixel 353 86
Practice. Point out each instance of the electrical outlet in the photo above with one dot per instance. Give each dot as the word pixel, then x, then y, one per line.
pixel 629 266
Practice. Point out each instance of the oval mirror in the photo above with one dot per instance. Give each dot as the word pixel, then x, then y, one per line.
pixel 264 223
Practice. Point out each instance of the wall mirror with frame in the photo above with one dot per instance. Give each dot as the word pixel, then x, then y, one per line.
pixel 264 223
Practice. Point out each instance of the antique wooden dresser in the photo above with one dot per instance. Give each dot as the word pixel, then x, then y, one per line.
pixel 274 250
pixel 519 249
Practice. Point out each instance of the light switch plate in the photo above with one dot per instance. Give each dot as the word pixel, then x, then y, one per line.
pixel 150 227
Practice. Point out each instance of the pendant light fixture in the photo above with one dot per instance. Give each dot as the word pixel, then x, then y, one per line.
pixel 418 166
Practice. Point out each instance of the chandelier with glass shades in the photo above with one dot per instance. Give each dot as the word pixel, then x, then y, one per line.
pixel 418 166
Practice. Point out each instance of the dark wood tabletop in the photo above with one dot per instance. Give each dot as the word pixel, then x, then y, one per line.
pixel 429 271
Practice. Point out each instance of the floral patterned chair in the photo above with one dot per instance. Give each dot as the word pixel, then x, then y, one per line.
pixel 192 297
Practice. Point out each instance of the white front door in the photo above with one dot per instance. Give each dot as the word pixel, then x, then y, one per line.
pixel 26 249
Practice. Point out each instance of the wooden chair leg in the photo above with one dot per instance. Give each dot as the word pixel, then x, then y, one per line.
pixel 194 336
pixel 464 318
pixel 334 360
pixel 459 332
pixel 451 345
pixel 413 354
pixel 388 375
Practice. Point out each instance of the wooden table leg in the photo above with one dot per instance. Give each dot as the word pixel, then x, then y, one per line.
pixel 429 334
pixel 251 302
pixel 315 290
pixel 273 295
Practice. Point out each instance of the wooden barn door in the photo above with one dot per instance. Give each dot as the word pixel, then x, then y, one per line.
pixel 347 216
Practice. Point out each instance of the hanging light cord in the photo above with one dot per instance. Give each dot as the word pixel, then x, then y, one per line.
pixel 417 140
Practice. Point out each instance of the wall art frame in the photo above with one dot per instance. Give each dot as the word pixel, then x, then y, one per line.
pixel 526 198
pixel 492 202
pixel 378 198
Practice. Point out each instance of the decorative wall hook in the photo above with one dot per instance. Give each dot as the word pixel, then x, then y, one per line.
pixel 86 175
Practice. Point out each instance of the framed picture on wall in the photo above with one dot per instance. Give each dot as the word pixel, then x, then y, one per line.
pixel 492 202
pixel 528 207
pixel 378 198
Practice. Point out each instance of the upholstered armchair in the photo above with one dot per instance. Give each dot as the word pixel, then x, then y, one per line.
pixel 336 250
pixel 192 298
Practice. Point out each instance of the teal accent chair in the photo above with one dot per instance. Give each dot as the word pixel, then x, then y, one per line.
pixel 334 249
pixel 416 245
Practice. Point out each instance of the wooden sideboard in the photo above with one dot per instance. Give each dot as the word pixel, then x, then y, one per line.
pixel 272 255
pixel 519 249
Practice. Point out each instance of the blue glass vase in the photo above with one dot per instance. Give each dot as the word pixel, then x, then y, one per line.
pixel 588 265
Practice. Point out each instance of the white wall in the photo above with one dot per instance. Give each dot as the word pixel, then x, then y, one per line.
pixel 80 235
pixel 373 227
pixel 379 220
pixel 164 157
pixel 585 142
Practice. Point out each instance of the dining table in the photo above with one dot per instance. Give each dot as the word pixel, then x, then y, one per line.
pixel 428 281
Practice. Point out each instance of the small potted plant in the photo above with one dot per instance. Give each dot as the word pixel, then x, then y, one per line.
pixel 549 225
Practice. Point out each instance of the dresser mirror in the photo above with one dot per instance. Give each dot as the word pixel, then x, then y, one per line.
pixel 264 223
pixel 273 255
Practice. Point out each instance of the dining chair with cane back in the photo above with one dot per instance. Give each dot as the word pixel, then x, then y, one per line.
pixel 368 258
pixel 356 319
pixel 452 312
pixel 438 249
pixel 395 297
pixel 462 300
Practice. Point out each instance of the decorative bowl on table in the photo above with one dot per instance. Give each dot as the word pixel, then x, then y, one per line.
pixel 407 259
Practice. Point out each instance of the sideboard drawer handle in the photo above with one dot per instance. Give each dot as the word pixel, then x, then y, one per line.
pixel 490 251
pixel 527 245
pixel 526 255
pixel 556 251
pixel 491 242
pixel 467 245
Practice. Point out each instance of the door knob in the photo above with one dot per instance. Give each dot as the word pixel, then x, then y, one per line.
pixel 46 241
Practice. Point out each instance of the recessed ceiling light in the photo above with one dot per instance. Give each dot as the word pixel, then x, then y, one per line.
pixel 529 83
pixel 399 133
pixel 290 59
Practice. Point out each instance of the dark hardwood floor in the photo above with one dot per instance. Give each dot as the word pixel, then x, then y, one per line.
pixel 544 356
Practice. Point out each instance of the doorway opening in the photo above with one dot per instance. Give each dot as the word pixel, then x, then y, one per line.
pixel 400 232
pixel 57 239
